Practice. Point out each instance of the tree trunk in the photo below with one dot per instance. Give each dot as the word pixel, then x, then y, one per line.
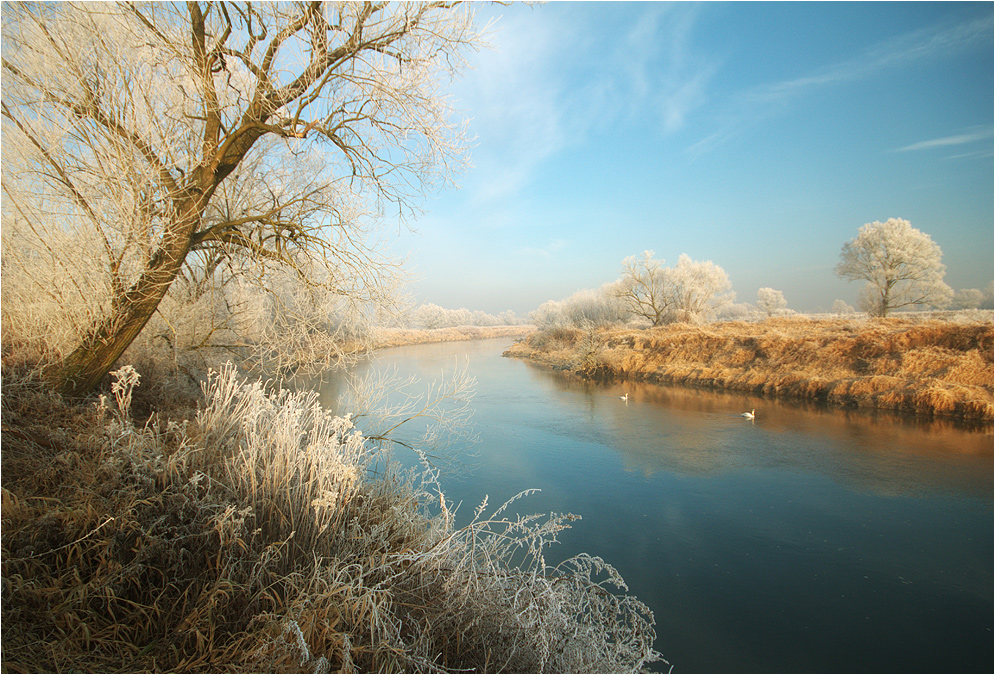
pixel 81 372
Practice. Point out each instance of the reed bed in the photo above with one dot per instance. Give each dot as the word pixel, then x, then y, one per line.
pixel 929 366
pixel 256 537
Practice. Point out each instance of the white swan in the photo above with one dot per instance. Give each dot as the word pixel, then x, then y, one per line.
pixel 750 415
pixel 625 398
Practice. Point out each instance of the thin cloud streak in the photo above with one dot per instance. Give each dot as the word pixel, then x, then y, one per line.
pixel 980 134
pixel 758 103
pixel 904 49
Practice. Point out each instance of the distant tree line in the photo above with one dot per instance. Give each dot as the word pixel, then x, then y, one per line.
pixel 432 316
pixel 647 291
pixel 901 267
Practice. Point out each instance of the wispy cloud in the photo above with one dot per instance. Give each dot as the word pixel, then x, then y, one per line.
pixel 902 50
pixel 552 81
pixel 973 135
pixel 513 97
pixel 661 67
pixel 756 104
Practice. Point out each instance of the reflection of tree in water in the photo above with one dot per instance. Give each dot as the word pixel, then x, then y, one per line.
pixel 695 432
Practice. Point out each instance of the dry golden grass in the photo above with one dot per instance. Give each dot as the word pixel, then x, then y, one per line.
pixel 253 538
pixel 920 366
pixel 399 337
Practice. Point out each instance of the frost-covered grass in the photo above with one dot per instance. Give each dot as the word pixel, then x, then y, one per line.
pixel 251 537
pixel 936 364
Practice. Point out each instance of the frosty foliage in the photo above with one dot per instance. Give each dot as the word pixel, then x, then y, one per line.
pixel 432 316
pixel 426 596
pixel 901 265
pixel 842 307
pixel 968 298
pixel 589 307
pixel 698 290
pixel 770 301
pixel 690 291
pixel 146 143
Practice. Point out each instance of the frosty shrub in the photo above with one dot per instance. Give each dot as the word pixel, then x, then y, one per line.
pixel 590 307
pixel 430 597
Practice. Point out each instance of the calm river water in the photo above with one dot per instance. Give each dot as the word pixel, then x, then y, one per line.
pixel 808 540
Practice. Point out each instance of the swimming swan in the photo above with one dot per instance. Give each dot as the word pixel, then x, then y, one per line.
pixel 750 415
pixel 625 398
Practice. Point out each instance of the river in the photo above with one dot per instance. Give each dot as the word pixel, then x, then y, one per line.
pixel 806 540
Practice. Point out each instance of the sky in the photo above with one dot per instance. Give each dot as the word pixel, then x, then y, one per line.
pixel 760 136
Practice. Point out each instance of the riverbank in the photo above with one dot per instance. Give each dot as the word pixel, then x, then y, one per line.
pixel 400 337
pixel 927 367
pixel 251 536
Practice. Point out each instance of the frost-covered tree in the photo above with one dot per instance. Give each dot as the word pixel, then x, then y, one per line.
pixel 461 317
pixel 548 315
pixel 770 301
pixel 643 288
pixel 689 291
pixel 697 290
pixel 595 307
pixel 841 307
pixel 508 318
pixel 140 138
pixel 902 267
pixel 431 316
pixel 968 298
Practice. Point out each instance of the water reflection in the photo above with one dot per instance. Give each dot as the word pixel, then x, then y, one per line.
pixel 697 432
pixel 808 540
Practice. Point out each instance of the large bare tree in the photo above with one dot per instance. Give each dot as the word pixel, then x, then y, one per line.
pixel 144 137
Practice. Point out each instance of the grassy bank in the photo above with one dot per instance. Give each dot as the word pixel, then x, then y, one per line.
pixel 399 337
pixel 931 366
pixel 253 537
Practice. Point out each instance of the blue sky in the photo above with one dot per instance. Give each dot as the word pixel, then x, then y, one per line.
pixel 758 136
